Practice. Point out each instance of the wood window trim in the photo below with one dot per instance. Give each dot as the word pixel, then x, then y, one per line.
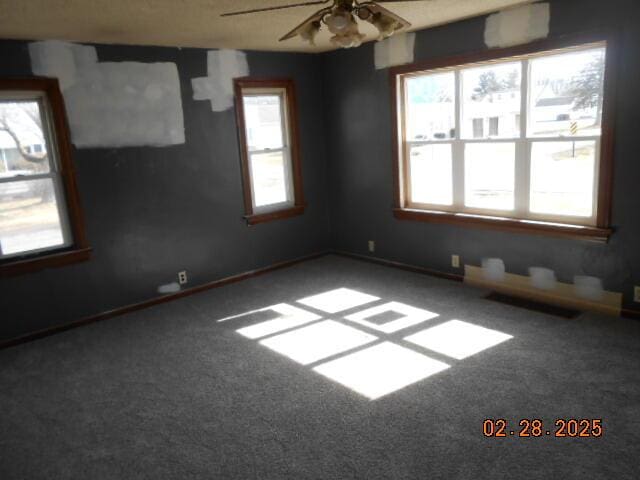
pixel 299 205
pixel 603 229
pixel 80 250
pixel 54 258
pixel 505 224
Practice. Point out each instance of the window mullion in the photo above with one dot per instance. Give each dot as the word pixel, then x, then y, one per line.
pixel 267 150
pixel 22 178
pixel 457 148
pixel 523 150
pixel 522 179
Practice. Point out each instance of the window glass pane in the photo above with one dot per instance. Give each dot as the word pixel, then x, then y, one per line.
pixel 491 101
pixel 478 127
pixel 490 175
pixel 494 123
pixel 431 174
pixel 263 119
pixel 29 218
pixel 566 93
pixel 269 178
pixel 23 149
pixel 562 175
pixel 430 108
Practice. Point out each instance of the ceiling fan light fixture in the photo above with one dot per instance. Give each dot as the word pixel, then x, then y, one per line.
pixel 386 25
pixel 309 32
pixel 343 25
pixel 339 20
pixel 364 13
pixel 350 40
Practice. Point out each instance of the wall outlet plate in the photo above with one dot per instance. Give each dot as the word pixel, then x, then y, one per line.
pixel 636 294
pixel 182 277
pixel 372 246
pixel 455 261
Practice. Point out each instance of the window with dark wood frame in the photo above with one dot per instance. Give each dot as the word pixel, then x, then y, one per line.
pixel 457 142
pixel 41 223
pixel 266 113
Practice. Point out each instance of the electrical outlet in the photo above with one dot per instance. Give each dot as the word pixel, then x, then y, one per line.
pixel 372 246
pixel 455 261
pixel 636 294
pixel 182 277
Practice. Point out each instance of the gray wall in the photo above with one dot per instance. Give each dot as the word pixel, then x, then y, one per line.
pixel 360 165
pixel 151 212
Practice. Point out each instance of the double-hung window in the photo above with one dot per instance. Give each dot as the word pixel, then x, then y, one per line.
pixel 267 130
pixel 514 140
pixel 40 219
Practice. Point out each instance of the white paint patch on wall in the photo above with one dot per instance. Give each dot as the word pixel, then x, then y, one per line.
pixel 542 278
pixel 169 288
pixel 517 25
pixel 222 67
pixel 395 50
pixel 589 288
pixel 493 269
pixel 58 59
pixel 113 104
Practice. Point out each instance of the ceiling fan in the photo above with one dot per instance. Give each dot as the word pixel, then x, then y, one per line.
pixel 340 19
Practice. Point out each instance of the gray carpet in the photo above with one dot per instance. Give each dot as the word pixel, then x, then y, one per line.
pixel 169 392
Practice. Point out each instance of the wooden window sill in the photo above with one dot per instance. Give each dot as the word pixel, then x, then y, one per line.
pixel 533 227
pixel 47 260
pixel 276 215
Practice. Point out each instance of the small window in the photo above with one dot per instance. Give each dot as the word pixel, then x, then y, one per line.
pixel 268 148
pixel 478 127
pixel 39 211
pixel 493 126
pixel 531 143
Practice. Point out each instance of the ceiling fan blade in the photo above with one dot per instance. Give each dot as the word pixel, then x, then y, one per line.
pixel 280 7
pixel 313 18
pixel 375 8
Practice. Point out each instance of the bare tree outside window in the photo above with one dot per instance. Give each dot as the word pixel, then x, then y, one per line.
pixel 22 122
pixel 587 86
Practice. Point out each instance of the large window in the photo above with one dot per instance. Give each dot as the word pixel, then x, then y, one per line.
pixel 511 140
pixel 40 222
pixel 268 141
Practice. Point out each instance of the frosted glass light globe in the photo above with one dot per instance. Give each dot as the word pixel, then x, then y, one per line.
pixel 338 21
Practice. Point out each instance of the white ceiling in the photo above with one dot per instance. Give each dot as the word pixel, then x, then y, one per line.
pixel 197 23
